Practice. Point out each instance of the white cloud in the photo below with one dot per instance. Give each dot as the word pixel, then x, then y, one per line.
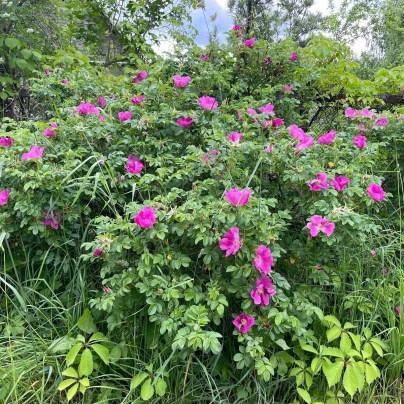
pixel 222 4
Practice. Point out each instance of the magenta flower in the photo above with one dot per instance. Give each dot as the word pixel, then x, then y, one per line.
pixel 48 132
pixel 249 42
pixel 101 102
pixel 366 113
pixel 141 75
pixel 238 197
pixel 46 71
pixel 361 128
pixel 85 108
pixel 318 224
pixel 296 132
pixel 230 242
pixel 276 122
pixel 125 116
pixel 102 118
pixel 359 141
pixel 251 111
pixel 137 100
pixel 207 102
pixel 209 158
pixel 146 217
pixel 398 311
pixel 106 289
pixel 268 109
pixel 267 61
pixel 185 122
pixel 98 252
pixel 327 138
pixel 305 143
pixel 372 253
pixel 134 165
pixel 243 323
pixel 52 219
pixel 6 141
pixel 351 113
pixel 235 137
pixel 204 56
pixel 34 153
pixel 236 27
pixel 287 87
pixel 385 271
pixel 54 125
pixel 65 82
pixel 266 123
pixel 319 183
pixel 376 192
pixel 382 121
pixel 263 290
pixel 264 260
pixel 4 196
pixel 339 183
pixel 181 81
pixel 269 148
pixel 293 56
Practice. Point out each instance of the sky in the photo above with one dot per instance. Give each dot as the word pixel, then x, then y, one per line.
pixel 224 21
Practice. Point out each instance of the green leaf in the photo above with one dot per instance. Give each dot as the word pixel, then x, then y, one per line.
pixel 98 336
pixel 21 63
pixel 26 53
pixel 115 354
pixel 86 363
pixel 12 43
pixel 66 383
pixel 372 372
pixel 71 356
pixel 72 391
pixel 86 322
pixel 333 333
pixel 333 371
pixel 138 379
pixel 147 390
pixel 345 343
pixel 333 320
pixel 309 348
pixel 70 372
pixel 282 344
pixel 102 351
pixel 351 380
pixel 304 395
pixel 333 352
pixel 84 381
pixel 161 387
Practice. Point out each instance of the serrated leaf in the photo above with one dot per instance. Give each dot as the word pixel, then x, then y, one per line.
pixel 329 351
pixel 84 381
pixel 316 365
pixel 304 395
pixel 71 355
pixel 371 372
pixel 102 351
pixel 138 379
pixel 161 387
pixel 72 392
pixel 66 383
pixel 333 371
pixel 70 372
pixel 282 344
pixel 147 390
pixel 345 343
pixel 86 365
pixel 98 336
pixel 86 322
pixel 333 333
pixel 351 380
pixel 309 348
pixel 333 320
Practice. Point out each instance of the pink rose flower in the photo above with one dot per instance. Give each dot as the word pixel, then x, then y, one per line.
pixel 268 109
pixel 185 122
pixel 251 111
pixel 137 100
pixel 48 132
pixel 6 141
pixel 235 137
pixel 204 56
pixel 85 108
pixel 65 82
pixel 382 121
pixel 351 113
pixel 181 81
pixel 249 42
pixel 372 253
pixel 207 102
pixel 46 71
pixel 34 153
pixel 141 75
pixel 276 122
pixel 319 183
pixel 296 132
pixel 287 87
pixel 366 113
pixel 52 219
pixel 134 165
pixel 243 323
pixel 106 289
pixel 339 183
pixel 376 192
pixel 146 217
pixel 4 196
pixel 98 252
pixel 125 116
pixel 238 197
pixel 236 27
pixel 54 125
pixel 327 138
pixel 293 56
pixel 359 141
pixel 102 118
pixel 101 102
pixel 262 291
pixel 267 61
pixel 230 242
pixel 318 224
pixel 209 157
pixel 264 260
pixel 305 143
pixel 269 148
